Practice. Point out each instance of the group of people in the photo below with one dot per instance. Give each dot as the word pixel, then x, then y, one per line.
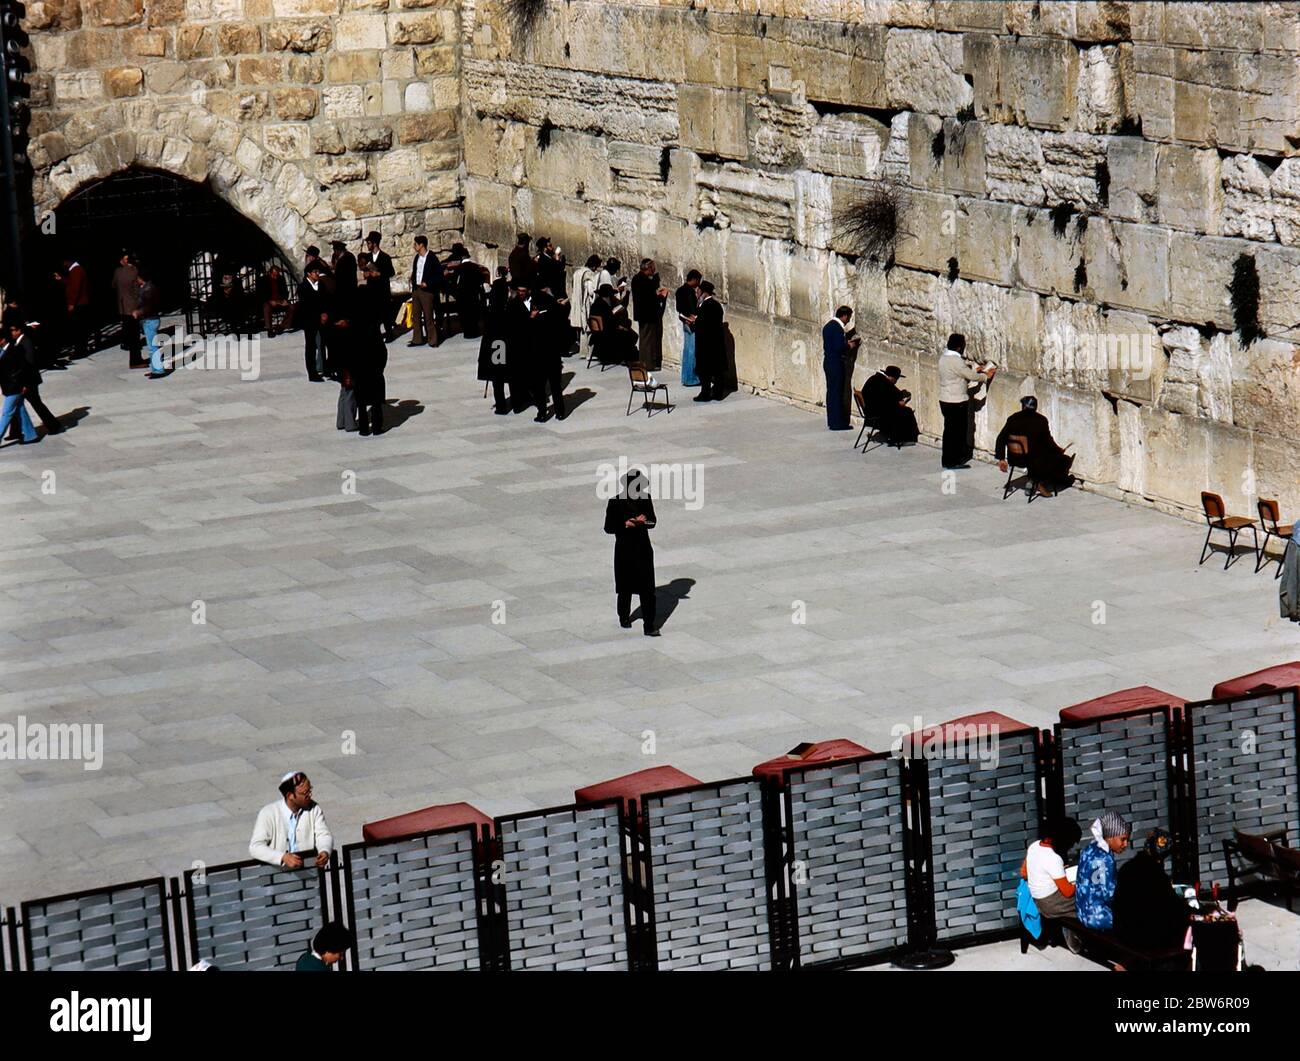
pixel 1136 901
pixel 886 407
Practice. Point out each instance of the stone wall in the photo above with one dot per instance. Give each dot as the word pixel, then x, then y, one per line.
pixel 319 119
pixel 1082 180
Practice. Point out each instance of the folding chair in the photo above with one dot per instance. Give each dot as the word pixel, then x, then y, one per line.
pixel 1252 863
pixel 647 386
pixel 1268 519
pixel 870 424
pixel 1018 457
pixel 1217 518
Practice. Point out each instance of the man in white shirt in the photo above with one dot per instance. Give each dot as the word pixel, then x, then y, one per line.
pixel 291 824
pixel 955 378
pixel 425 270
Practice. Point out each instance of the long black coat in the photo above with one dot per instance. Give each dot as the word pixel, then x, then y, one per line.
pixel 521 342
pixel 1048 462
pixel 634 557
pixel 710 339
pixel 494 331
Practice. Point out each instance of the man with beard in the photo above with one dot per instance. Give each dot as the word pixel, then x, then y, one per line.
pixel 649 297
pixel 710 346
pixel 887 405
pixel 380 283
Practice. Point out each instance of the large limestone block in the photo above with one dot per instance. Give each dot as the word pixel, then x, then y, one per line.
pixel 1190 190
pixel 1279 287
pixel 963 158
pixel 1133 191
pixel 574 164
pixel 112 12
pixel 123 81
pixel 1277 472
pixel 999 325
pixel 814 220
pixel 1198 375
pixel 1237 100
pixel 1070 165
pixel 1175 450
pixel 923 71
pixel 287 141
pixel 1047 261
pixel 1014 164
pixel 929 238
pixel 488 214
pixel 299 35
pixel 1101 103
pixel 912 297
pixel 1248 206
pixel 1200 272
pixel 359 32
pixel 1038 79
pixel 986 246
pixel 983 67
pixel 1128 265
pixel 755 201
pixel 925 146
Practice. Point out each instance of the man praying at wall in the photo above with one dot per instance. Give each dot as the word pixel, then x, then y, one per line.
pixel 1047 463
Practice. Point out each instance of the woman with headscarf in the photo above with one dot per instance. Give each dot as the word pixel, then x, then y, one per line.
pixel 629 517
pixel 1094 886
pixel 1149 915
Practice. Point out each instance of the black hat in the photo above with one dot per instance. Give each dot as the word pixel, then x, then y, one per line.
pixel 372 236
pixel 893 372
pixel 314 251
pixel 338 244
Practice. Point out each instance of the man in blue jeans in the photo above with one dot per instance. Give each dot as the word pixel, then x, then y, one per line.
pixel 149 315
pixel 688 302
pixel 14 374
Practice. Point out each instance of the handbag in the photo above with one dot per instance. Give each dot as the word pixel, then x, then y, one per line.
pixel 406 314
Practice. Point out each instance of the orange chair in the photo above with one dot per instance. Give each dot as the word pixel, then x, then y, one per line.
pixel 1269 514
pixel 1216 516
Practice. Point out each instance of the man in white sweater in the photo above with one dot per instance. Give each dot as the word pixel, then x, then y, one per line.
pixel 291 824
pixel 955 379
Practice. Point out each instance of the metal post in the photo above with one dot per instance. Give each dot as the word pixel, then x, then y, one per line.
pixel 15 276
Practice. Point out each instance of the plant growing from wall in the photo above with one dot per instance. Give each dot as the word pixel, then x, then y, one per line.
pixel 937 147
pixel 1061 214
pixel 523 16
pixel 1102 175
pixel 871 224
pixel 1080 276
pixel 1244 295
pixel 544 132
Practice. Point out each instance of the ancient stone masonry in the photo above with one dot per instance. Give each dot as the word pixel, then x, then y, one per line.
pixel 318 119
pixel 1105 197
pixel 1083 182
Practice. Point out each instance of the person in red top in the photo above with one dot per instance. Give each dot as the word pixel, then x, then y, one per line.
pixel 76 299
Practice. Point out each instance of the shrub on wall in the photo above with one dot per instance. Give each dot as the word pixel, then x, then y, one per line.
pixel 1244 294
pixel 872 223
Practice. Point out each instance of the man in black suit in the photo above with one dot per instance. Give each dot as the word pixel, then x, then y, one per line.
pixel 1048 464
pixel 16 328
pixel 313 255
pixel 426 290
pixel 315 308
pixel 521 340
pixel 381 286
pixel 344 265
pixel 550 332
pixel 710 346
pixel 886 403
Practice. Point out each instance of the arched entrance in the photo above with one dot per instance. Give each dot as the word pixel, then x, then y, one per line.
pixel 168 222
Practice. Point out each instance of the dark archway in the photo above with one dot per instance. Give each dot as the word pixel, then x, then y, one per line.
pixel 165 220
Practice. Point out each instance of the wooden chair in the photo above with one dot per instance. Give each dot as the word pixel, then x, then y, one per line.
pixel 1018 457
pixel 1269 514
pixel 1217 518
pixel 870 424
pixel 1261 864
pixel 645 385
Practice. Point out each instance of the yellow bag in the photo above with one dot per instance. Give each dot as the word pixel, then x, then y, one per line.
pixel 406 315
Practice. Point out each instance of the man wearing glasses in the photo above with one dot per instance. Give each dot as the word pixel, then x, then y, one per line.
pixel 291 824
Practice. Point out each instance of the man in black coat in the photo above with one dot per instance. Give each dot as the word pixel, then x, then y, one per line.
pixel 15 374
pixel 629 517
pixel 550 330
pixel 16 328
pixel 315 307
pixel 710 346
pixel 1148 913
pixel 886 403
pixel 492 348
pixel 1047 463
pixel 344 265
pixel 381 289
pixel 649 297
pixel 521 342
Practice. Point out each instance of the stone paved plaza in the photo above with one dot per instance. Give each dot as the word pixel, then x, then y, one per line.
pixel 366 618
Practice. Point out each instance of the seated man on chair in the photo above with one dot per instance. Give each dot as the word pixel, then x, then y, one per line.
pixel 1047 463
pixel 886 404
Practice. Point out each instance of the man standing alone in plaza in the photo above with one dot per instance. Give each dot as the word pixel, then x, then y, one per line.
pixel 955 390
pixel 838 347
pixel 648 300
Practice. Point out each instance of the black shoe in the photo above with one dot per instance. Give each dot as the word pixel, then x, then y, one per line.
pixel 155 375
pixel 561 416
pixel 363 431
pixel 316 379
pixel 703 398
pixel 651 632
pixel 626 624
pixel 29 441
pixel 540 418
pixel 417 344
pixel 956 467
pixel 719 396
pixel 502 410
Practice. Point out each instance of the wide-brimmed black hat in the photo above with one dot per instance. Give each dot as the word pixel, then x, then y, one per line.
pixel 894 372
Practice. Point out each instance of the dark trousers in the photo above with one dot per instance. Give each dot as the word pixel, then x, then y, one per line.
pixel 315 353
pixel 131 338
pixel 499 394
pixel 837 406
pixel 79 330
pixel 650 341
pixel 647 598
pixel 424 324
pixel 554 375
pixel 956 433
pixel 268 316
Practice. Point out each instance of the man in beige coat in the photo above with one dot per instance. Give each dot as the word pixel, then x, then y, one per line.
pixel 955 390
pixel 293 823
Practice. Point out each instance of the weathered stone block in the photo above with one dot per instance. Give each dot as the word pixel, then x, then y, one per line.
pixel 299 35
pixel 414 29
pixel 1131 164
pixel 360 32
pixel 295 104
pixel 123 81
pixel 239 38
pixel 923 72
pixel 113 12
pixel 287 141
pixel 1189 192
pixel 1038 78
pixel 266 71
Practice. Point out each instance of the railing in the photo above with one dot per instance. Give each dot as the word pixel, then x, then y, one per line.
pixel 841 864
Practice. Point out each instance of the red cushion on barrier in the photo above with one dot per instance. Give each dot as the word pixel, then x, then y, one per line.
pixel 824 751
pixel 634 786
pixel 1283 676
pixel 1005 724
pixel 1118 703
pixel 443 816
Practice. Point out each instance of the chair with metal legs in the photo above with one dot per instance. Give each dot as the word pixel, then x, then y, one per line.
pixel 870 424
pixel 1217 518
pixel 1018 458
pixel 1269 514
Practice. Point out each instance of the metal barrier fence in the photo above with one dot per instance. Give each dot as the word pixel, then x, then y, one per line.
pixel 833 865
pixel 1243 773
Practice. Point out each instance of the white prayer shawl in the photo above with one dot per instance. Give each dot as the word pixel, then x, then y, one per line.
pixel 577 297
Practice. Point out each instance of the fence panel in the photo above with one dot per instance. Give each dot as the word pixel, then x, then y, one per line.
pixel 708 877
pixel 412 903
pixel 1125 763
pixel 562 888
pixel 249 915
pixel 849 873
pixel 122 927
pixel 1243 772
pixel 984 814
